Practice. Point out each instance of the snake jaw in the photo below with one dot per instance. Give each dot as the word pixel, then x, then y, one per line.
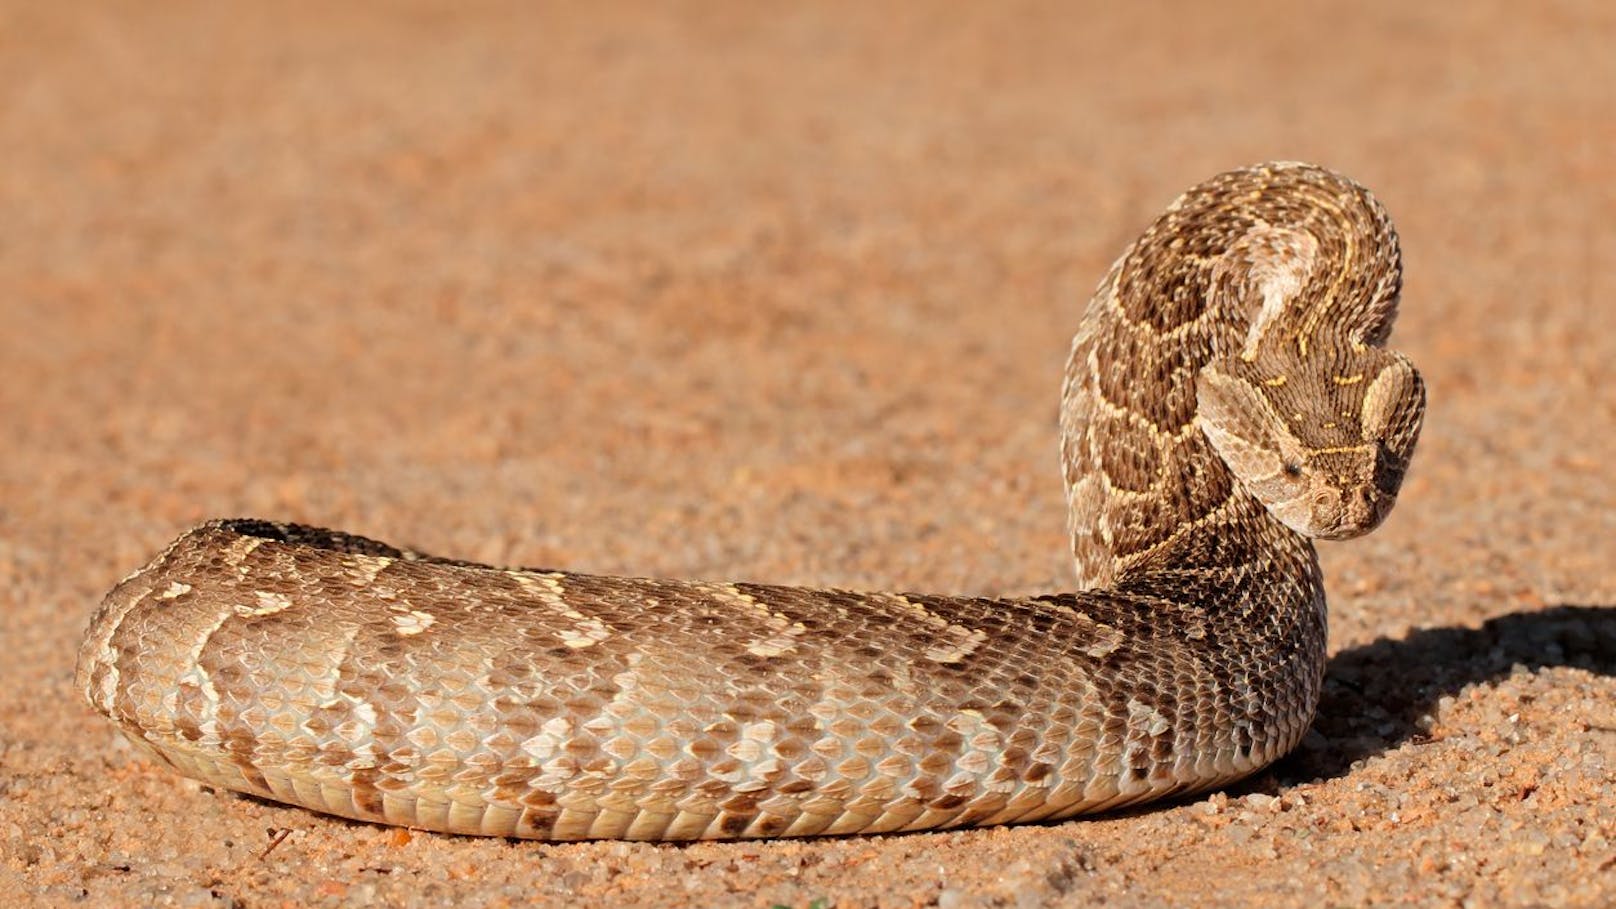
pixel 1338 516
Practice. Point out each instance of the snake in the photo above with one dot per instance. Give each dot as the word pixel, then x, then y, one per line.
pixel 1228 400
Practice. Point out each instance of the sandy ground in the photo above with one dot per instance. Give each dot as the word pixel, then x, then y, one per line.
pixel 785 296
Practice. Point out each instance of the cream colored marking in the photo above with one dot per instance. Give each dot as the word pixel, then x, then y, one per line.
pixel 104 654
pixel 195 675
pixel 325 684
pixel 962 641
pixel 241 547
pixel 777 645
pixel 412 621
pixel 269 603
pixel 365 569
pixel 578 641
pixel 786 630
pixel 1217 514
pixel 548 589
pixel 356 731
pixel 1275 382
pixel 1140 423
pixel 175 589
pixel 1348 380
pixel 542 747
pixel 957 651
pixel 1281 262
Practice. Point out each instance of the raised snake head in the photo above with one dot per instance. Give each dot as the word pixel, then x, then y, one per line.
pixel 1322 440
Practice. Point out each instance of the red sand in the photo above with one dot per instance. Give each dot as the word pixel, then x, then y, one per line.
pixel 784 295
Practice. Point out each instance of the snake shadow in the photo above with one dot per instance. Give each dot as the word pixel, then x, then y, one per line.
pixel 1376 694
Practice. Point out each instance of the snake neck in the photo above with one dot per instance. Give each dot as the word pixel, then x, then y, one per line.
pixel 1260 262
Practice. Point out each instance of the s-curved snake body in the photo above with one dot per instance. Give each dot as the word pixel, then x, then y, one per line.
pixel 1227 399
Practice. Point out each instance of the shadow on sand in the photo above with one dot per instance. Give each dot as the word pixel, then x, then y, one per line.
pixel 1375 694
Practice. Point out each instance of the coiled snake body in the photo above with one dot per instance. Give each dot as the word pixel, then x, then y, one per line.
pixel 1227 399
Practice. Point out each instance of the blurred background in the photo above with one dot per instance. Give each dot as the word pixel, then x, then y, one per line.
pixel 778 292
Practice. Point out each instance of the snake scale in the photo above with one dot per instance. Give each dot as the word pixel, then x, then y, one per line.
pixel 1228 399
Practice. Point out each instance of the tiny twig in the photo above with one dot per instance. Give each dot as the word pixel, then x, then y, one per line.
pixel 276 837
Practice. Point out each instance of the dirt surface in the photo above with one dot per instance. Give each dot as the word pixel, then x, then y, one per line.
pixel 784 295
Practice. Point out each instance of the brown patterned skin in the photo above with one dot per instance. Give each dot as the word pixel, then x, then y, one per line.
pixel 1227 398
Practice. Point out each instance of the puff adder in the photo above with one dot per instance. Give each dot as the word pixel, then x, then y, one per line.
pixel 1228 400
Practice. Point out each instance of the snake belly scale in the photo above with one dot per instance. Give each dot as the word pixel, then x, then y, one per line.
pixel 1228 400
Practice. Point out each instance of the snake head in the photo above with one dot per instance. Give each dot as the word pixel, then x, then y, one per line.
pixel 1322 441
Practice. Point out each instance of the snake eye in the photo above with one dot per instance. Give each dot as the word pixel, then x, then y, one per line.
pixel 1292 469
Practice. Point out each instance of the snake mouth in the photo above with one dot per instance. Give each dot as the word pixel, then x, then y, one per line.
pixel 1350 516
pixel 1330 514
